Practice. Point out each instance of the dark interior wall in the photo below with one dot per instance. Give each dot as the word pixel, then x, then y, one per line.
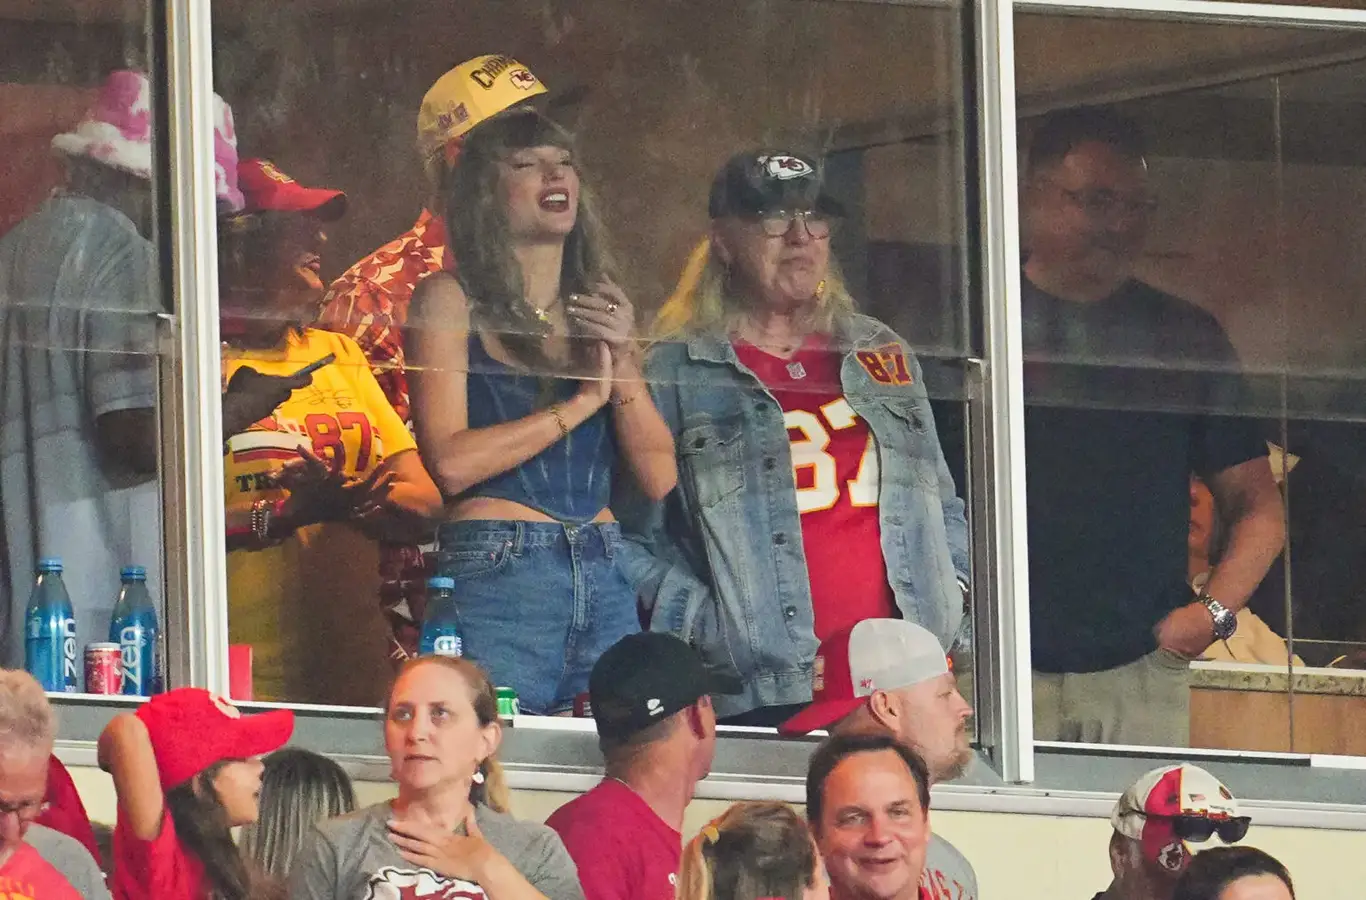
pixel 660 93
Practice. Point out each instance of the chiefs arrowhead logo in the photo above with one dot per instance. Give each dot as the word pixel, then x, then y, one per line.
pixel 1172 857
pixel 785 168
pixel 393 883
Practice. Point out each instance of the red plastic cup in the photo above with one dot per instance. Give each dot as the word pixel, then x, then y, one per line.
pixel 239 672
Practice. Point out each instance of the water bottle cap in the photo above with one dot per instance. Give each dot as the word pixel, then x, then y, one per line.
pixel 441 583
pixel 133 573
pixel 50 564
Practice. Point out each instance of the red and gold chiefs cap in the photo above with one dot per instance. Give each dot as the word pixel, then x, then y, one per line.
pixel 467 95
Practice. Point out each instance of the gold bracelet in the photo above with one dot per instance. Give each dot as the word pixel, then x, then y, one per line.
pixel 559 420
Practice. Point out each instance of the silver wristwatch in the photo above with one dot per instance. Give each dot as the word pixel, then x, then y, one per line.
pixel 1225 619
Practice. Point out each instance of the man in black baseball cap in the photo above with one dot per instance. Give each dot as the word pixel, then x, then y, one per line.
pixel 651 697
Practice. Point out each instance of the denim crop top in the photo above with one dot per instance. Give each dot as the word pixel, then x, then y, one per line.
pixel 571 480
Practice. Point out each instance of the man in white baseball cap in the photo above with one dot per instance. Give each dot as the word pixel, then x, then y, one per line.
pixel 892 676
pixel 1156 822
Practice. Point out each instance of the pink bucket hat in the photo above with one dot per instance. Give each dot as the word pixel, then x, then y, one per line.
pixel 117 132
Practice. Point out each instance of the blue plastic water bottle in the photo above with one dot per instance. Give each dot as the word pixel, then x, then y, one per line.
pixel 134 628
pixel 440 630
pixel 50 631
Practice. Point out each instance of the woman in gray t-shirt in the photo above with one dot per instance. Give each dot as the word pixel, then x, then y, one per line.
pixel 446 835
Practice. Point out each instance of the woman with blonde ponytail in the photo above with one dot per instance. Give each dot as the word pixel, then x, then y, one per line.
pixel 448 832
pixel 753 851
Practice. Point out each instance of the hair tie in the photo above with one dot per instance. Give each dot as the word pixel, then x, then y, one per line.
pixel 710 834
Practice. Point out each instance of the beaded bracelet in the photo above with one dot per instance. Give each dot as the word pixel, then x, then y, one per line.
pixel 263 514
pixel 260 520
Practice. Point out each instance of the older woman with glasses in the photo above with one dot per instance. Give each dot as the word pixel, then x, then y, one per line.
pixel 812 491
pixel 50 863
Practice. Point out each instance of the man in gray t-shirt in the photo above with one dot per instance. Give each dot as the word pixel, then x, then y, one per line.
pixel 78 391
pixel 890 676
pixel 352 858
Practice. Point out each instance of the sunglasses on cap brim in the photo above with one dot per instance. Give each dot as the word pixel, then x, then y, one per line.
pixel 1201 828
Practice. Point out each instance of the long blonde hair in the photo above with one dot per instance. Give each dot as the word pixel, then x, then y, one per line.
pixel 754 849
pixel 704 302
pixel 299 789
pixel 493 793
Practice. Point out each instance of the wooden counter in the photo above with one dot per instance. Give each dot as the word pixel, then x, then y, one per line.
pixel 1245 706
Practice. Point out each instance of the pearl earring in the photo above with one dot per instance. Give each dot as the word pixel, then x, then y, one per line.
pixel 479 776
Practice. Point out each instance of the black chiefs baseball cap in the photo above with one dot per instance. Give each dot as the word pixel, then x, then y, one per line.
pixel 644 678
pixel 753 183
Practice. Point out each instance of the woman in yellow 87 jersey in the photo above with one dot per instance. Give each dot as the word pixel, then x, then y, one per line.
pixel 317 468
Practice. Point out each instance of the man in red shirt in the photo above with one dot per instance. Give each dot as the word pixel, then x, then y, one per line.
pixel 868 802
pixel 651 698
pixel 369 302
pixel 35 862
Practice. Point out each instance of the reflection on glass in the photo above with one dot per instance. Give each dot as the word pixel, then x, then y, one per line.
pixel 1243 212
pixel 1138 384
pixel 78 374
pixel 484 322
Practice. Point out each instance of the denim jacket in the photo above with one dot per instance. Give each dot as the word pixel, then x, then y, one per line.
pixel 721 563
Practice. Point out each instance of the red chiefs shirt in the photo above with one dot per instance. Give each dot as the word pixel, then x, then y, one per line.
pixel 159 869
pixel 835 464
pixel 27 876
pixel 65 812
pixel 622 849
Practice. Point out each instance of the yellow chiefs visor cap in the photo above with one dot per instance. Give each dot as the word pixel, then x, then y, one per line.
pixel 467 95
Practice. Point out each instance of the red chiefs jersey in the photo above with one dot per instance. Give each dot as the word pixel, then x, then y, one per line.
pixel 835 465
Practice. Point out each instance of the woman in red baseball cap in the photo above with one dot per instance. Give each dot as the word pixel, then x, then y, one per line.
pixel 318 467
pixel 186 771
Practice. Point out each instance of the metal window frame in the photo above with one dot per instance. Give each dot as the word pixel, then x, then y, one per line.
pixel 1003 655
pixel 1204 11
pixel 1071 780
pixel 196 555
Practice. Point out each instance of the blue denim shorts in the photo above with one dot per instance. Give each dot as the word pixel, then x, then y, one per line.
pixel 537 603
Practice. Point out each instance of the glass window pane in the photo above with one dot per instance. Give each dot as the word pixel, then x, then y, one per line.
pixel 656 97
pixel 1187 317
pixel 81 314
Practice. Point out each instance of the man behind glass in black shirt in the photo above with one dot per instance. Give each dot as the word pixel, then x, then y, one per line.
pixel 1128 390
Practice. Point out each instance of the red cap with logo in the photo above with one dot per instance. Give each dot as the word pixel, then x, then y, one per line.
pixel 266 188
pixel 191 729
pixel 872 655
